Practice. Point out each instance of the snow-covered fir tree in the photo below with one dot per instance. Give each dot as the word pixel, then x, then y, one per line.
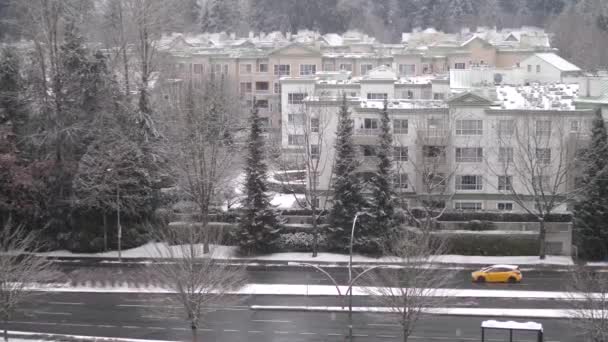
pixel 347 190
pixel 259 225
pixel 376 229
pixel 591 213
pixel 220 16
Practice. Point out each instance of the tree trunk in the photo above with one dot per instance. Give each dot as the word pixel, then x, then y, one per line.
pixel 315 233
pixel 541 239
pixel 406 334
pixel 105 233
pixel 206 232
pixel 194 332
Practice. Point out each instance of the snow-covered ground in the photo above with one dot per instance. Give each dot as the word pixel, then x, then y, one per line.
pixel 150 250
pixel 35 337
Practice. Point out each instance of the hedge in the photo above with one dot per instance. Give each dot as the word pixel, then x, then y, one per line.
pixel 457 216
pixel 489 244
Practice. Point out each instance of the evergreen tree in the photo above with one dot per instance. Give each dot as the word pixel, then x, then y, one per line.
pixel 220 16
pixel 347 197
pixel 382 204
pixel 11 84
pixel 591 213
pixel 259 226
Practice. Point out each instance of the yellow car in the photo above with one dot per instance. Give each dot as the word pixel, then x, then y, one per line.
pixel 498 274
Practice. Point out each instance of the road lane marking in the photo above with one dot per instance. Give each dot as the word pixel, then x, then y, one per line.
pixel 360 335
pixel 387 336
pixel 281 332
pixel 229 330
pixel 334 334
pixel 78 324
pixel 52 313
pixel 107 326
pixel 65 303
pixel 255 332
pixel 183 329
pixel 383 325
pixel 131 327
pixel 307 333
pixel 269 321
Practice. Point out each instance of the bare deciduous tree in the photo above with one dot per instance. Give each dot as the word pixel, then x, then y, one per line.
pixel 310 127
pixel 415 289
pixel 202 143
pixel 20 268
pixel 200 282
pixel 535 163
pixel 588 292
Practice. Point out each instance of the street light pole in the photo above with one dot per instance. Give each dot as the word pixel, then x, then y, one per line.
pixel 350 278
pixel 118 223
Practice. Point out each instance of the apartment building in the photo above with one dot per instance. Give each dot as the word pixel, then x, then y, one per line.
pixel 255 64
pixel 475 146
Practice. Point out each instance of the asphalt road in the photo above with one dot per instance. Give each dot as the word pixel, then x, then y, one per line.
pixel 149 317
pixel 139 275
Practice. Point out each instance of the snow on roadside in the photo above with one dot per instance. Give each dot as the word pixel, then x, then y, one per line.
pixel 150 250
pixel 34 337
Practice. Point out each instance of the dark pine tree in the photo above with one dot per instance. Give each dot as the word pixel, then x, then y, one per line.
pixel 347 196
pixel 220 16
pixel 259 226
pixel 11 84
pixel 376 228
pixel 591 213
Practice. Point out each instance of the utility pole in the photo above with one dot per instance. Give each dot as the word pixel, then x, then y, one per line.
pixel 118 222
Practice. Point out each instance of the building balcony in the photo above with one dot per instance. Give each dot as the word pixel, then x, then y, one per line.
pixel 367 131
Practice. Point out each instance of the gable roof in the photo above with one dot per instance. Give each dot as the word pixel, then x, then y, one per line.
pixel 469 98
pixel 298 45
pixel 557 62
pixel 473 38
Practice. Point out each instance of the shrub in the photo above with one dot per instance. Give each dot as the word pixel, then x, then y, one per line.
pixel 299 242
pixel 489 244
pixel 477 225
pixel 459 216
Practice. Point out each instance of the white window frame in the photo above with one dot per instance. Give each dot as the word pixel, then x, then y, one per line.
pixel 469 154
pixel 505 183
pixel 263 66
pixel 543 128
pixel 345 67
pixel 538 68
pixel 401 180
pixel 277 87
pixel 315 125
pixel 371 123
pixel 315 151
pixel 400 153
pixel 365 68
pixel 282 69
pixel 200 67
pixel 505 204
pixel 477 186
pixel 296 98
pixel 329 66
pixel 462 129
pixel 295 139
pixel 246 90
pixel 575 126
pixel 257 102
pixel 477 206
pixel 506 127
pixel 308 69
pixel 545 183
pixel 245 68
pixel 400 126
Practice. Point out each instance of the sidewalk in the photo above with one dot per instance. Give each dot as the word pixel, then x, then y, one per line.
pixel 149 252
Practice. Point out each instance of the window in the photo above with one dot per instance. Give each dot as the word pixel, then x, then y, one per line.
pixel 297 119
pixel 328 67
pixel 265 123
pixel 314 152
pixel 469 154
pixel 505 154
pixel 543 128
pixel 282 69
pixel 377 96
pixel 370 123
pixel 459 65
pixel 529 68
pixel 575 126
pixel 407 69
pixel 400 153
pixel 400 126
pixel 295 139
pixel 262 86
pixel 246 87
pixel 438 96
pixel 296 98
pixel 408 94
pixel 198 68
pixel 505 183
pixel 469 127
pixel 365 68
pixel 504 206
pixel 181 67
pixel 401 181
pixel 541 183
pixel 245 68
pixel 263 67
pixel 314 125
pixel 467 205
pixel 308 69
pixel 225 69
pixel 433 151
pixel 346 67
pixel 469 182
pixel 262 104
pixel 427 68
pixel 543 155
pixel 538 68
pixel 277 87
pixel 506 127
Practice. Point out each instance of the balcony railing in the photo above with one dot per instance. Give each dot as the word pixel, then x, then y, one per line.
pixel 433 133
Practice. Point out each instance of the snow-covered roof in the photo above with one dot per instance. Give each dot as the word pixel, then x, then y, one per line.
pixel 403 104
pixel 538 96
pixel 556 61
pixel 492 324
